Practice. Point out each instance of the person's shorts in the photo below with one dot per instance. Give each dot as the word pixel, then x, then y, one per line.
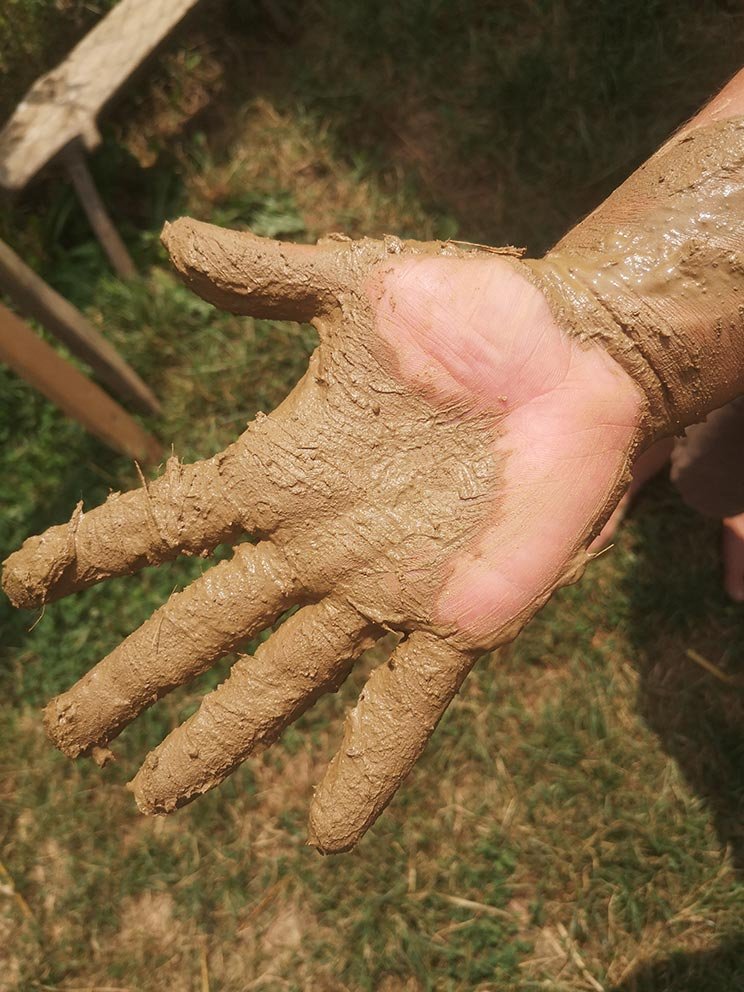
pixel 708 463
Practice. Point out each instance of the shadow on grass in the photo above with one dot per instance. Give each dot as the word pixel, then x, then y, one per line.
pixel 720 970
pixel 512 120
pixel 681 620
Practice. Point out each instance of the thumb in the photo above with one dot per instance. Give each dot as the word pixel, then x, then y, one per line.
pixel 245 274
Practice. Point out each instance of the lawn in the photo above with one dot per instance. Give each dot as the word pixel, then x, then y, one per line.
pixel 578 821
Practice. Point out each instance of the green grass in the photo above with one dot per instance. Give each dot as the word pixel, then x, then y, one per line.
pixel 577 821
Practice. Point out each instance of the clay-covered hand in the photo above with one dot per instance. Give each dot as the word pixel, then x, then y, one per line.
pixel 438 472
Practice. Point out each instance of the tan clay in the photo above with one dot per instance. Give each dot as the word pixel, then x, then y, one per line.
pixel 645 271
pixel 337 522
pixel 361 490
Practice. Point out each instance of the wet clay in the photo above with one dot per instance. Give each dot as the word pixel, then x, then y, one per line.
pixel 644 273
pixel 331 484
pixel 369 484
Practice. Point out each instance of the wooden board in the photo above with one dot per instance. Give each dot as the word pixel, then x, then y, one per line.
pixel 34 298
pixel 64 104
pixel 40 365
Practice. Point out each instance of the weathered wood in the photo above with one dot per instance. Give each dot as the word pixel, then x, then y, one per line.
pixel 97 214
pixel 38 300
pixel 40 365
pixel 62 106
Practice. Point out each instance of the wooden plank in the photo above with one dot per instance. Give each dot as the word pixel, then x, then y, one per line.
pixel 108 236
pixel 38 300
pixel 40 365
pixel 63 105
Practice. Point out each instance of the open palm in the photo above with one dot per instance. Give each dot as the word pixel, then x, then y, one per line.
pixel 439 471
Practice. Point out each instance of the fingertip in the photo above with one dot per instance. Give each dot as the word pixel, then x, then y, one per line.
pixel 149 794
pixel 30 573
pixel 332 833
pixel 15 588
pixel 179 238
pixel 141 800
pixel 59 726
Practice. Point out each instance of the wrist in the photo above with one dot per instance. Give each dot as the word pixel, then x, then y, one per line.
pixel 657 278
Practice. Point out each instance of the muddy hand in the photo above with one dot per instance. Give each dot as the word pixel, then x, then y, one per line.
pixel 439 471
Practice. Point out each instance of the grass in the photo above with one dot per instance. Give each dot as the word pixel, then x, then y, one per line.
pixel 577 822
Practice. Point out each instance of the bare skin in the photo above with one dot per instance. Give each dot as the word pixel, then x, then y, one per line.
pixel 649 464
pixel 732 546
pixel 646 466
pixel 464 429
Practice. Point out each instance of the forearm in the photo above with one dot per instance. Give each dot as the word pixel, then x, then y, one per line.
pixel 656 273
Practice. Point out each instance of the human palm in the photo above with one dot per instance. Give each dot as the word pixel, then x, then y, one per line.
pixel 438 471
